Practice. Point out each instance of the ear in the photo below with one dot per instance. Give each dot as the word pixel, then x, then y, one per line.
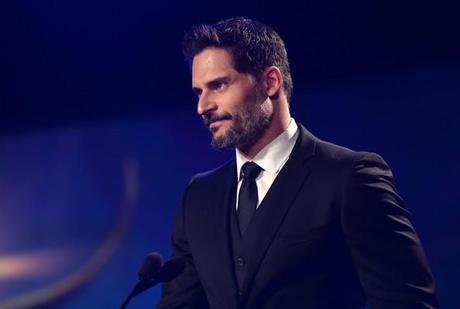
pixel 273 81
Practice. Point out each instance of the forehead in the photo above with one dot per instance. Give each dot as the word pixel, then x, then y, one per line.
pixel 211 63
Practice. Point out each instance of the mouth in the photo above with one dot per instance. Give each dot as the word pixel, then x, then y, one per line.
pixel 215 124
pixel 214 121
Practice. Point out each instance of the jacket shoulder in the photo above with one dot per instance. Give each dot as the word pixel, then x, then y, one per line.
pixel 331 153
pixel 337 153
pixel 337 160
pixel 215 175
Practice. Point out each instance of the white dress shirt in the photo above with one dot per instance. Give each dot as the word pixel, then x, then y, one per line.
pixel 271 159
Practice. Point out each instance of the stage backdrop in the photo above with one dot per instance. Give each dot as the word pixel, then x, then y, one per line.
pixel 81 206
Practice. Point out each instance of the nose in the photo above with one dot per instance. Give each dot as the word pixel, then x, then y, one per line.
pixel 206 104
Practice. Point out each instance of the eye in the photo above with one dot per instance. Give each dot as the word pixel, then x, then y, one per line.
pixel 219 85
pixel 197 91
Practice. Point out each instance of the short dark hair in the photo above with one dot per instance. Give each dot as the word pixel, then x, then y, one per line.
pixel 253 46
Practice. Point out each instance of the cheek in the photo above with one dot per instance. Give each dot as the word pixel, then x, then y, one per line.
pixel 230 105
pixel 238 101
pixel 267 107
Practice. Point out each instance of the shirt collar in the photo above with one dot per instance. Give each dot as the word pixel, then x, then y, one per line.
pixel 272 157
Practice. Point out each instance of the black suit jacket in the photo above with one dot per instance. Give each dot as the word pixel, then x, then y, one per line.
pixel 330 233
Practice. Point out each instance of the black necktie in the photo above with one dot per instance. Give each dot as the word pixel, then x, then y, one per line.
pixel 248 196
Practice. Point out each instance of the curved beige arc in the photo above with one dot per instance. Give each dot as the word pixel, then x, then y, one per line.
pixel 33 264
pixel 62 288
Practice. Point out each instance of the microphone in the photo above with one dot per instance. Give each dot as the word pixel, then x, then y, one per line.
pixel 151 273
pixel 152 263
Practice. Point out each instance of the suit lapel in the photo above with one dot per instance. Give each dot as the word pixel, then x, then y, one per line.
pixel 277 202
pixel 225 199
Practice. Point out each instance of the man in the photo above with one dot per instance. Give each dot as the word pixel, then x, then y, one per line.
pixel 293 221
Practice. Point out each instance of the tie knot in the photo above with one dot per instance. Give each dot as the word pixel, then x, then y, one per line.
pixel 250 170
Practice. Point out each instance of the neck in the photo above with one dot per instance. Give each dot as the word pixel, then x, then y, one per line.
pixel 280 122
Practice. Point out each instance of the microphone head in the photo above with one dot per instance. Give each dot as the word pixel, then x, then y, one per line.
pixel 152 263
pixel 171 269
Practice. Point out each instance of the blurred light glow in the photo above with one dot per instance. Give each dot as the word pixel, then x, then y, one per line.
pixel 33 264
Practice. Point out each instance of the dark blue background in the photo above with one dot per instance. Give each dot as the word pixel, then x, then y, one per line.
pixel 87 85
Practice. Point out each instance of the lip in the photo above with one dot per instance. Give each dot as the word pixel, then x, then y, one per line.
pixel 215 123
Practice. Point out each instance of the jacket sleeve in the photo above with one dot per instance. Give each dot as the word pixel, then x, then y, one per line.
pixel 185 291
pixel 385 248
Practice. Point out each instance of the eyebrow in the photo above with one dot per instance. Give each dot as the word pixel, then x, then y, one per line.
pixel 209 84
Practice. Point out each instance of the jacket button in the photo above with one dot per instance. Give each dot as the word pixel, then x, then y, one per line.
pixel 240 261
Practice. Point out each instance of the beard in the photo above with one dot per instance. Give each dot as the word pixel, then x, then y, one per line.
pixel 248 125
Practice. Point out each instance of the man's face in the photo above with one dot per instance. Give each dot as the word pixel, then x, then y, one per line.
pixel 232 104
